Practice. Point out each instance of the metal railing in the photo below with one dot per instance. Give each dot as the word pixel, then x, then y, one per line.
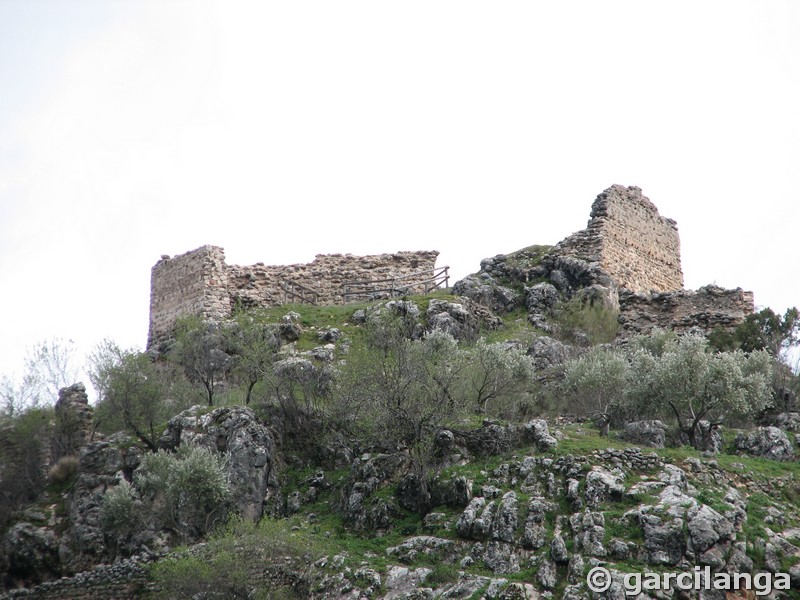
pixel 420 282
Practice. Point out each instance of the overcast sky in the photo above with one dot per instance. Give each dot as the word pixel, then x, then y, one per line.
pixel 280 130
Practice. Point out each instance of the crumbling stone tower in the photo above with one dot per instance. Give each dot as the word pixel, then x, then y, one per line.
pixel 628 259
pixel 630 245
pixel 630 241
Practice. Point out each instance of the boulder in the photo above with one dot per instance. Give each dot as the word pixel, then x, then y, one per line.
pixel 534 535
pixel 558 550
pixel 367 474
pixel 452 318
pixel 588 530
pixel 101 466
pixel 788 421
pixel 766 442
pixel 455 492
pixel 540 298
pixel 707 528
pixel 421 545
pixel 645 433
pixel 547 352
pixel 537 432
pixel 247 443
pixel 31 552
pixel 487 291
pixel 404 308
pixel 289 328
pixel 547 574
pixel 329 334
pixel 403 582
pixel 500 557
pixel 601 486
pixel 664 539
pixel 504 524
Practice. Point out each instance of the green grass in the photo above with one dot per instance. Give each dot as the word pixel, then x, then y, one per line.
pixel 515 327
pixel 584 439
pixel 442 574
pixel 714 498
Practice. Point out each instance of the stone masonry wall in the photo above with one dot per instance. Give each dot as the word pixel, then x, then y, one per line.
pixel 261 285
pixel 630 241
pixel 194 283
pixel 703 310
pixel 639 251
pixel 201 283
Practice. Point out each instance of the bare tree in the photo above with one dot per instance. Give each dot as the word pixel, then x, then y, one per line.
pixel 49 366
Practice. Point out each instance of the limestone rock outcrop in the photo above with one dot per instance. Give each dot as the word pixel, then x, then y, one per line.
pixel 247 444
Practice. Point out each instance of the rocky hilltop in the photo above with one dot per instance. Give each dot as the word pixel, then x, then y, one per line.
pixel 558 412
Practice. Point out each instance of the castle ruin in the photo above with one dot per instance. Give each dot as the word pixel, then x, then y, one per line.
pixel 201 283
pixel 629 255
pixel 630 243
pixel 627 238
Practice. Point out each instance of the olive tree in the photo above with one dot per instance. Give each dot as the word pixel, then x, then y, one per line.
pixel 693 384
pixel 596 384
pixel 255 346
pixel 402 391
pixel 496 373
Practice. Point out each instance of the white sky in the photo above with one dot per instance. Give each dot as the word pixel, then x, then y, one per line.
pixel 280 130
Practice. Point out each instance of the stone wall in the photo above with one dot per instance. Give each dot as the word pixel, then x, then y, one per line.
pixel 201 283
pixel 194 283
pixel 630 241
pixel 628 257
pixel 124 580
pixel 702 310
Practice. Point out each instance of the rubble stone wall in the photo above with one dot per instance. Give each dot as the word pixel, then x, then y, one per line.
pixel 201 283
pixel 194 283
pixel 702 310
pixel 630 241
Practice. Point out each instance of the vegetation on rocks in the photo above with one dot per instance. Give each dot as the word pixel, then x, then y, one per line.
pixel 385 449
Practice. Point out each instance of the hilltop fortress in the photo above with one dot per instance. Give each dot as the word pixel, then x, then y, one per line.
pixel 628 256
pixel 201 283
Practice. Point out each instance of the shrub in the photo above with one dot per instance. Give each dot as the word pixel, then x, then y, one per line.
pixel 591 318
pixel 64 471
pixel 190 485
pixel 117 512
pixel 186 492
pixel 267 560
pixel 498 374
